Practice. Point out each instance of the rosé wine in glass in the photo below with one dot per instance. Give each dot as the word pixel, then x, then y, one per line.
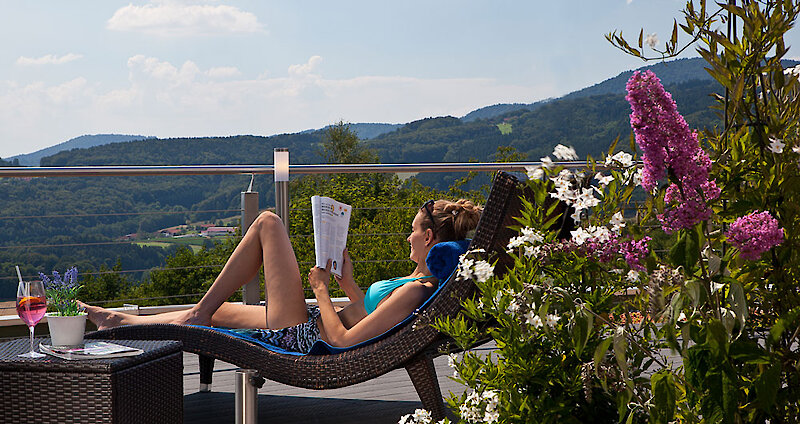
pixel 31 306
pixel 31 309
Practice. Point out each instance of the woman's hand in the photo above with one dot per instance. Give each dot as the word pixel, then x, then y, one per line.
pixel 347 268
pixel 319 278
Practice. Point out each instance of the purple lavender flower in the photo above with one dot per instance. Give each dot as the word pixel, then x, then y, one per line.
pixel 62 293
pixel 754 234
pixel 667 143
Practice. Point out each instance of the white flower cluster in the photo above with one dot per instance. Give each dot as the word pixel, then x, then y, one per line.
pixel 617 222
pixel 793 71
pixel 776 145
pixel 480 271
pixel 603 180
pixel 529 238
pixel 452 361
pixel 533 319
pixel 624 160
pixel 420 416
pixel 621 159
pixel 473 410
pixel 580 198
pixel 560 152
pixel 565 153
pixel 598 234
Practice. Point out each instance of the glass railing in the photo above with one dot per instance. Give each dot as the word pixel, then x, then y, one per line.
pixel 247 212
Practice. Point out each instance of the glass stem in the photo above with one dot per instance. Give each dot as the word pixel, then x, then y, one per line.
pixel 30 327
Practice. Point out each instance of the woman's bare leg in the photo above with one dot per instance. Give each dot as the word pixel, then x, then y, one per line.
pixel 228 315
pixel 267 243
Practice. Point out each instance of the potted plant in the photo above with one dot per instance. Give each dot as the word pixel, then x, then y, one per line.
pixel 67 321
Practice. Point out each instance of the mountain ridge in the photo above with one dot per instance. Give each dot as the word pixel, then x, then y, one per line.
pixel 80 142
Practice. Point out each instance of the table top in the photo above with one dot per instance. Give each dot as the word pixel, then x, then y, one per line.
pixel 10 361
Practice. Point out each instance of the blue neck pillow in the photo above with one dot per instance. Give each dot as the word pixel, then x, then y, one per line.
pixel 443 257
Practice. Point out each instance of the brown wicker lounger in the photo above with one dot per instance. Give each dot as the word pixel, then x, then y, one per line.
pixel 412 347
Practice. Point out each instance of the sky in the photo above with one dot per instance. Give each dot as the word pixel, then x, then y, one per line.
pixel 183 68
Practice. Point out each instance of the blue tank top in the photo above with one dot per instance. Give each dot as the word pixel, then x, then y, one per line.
pixel 380 289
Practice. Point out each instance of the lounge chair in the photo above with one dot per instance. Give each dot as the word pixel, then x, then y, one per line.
pixel 412 346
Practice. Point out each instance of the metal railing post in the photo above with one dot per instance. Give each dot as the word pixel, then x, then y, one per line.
pixel 281 176
pixel 251 291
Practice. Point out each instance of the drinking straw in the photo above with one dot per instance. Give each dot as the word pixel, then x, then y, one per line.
pixel 19 274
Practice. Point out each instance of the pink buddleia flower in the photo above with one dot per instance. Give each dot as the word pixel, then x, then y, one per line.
pixel 754 234
pixel 668 143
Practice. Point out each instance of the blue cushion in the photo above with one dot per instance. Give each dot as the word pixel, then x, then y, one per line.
pixel 443 257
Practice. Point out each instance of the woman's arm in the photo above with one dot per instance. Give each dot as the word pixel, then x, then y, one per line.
pixel 395 308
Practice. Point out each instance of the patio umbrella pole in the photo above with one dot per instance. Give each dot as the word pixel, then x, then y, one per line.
pixel 247 383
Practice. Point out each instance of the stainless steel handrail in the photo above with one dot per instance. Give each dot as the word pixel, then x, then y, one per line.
pixel 96 171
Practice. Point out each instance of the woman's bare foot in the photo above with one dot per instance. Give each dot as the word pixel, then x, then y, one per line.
pixel 104 318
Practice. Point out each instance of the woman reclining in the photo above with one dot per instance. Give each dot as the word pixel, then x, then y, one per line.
pixel 289 323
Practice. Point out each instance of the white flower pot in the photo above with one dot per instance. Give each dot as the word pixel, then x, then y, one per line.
pixel 66 331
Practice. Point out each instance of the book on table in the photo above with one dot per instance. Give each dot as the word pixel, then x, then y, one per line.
pixel 331 220
pixel 90 350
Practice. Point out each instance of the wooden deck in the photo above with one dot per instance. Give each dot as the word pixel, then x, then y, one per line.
pixel 381 400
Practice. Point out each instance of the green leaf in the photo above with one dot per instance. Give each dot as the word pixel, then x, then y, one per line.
pixel 620 345
pixel 600 353
pixel 786 321
pixel 766 387
pixel 730 397
pixel 581 329
pixel 717 340
pixel 677 253
pixel 738 303
pixel 664 397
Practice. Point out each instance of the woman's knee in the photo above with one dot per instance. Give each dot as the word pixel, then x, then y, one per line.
pixel 268 221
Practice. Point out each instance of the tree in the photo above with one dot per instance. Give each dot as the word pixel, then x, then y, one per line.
pixel 341 145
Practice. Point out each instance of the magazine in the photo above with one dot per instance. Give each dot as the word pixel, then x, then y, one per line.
pixel 90 350
pixel 331 220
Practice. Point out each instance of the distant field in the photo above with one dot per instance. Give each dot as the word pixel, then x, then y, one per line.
pixel 505 128
pixel 195 243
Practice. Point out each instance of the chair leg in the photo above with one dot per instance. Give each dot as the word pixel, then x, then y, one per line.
pixel 206 372
pixel 423 376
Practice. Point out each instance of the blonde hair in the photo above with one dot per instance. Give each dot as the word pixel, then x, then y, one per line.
pixel 454 220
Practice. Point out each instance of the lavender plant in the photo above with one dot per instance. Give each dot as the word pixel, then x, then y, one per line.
pixel 62 293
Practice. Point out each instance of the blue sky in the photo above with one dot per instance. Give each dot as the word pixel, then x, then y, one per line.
pixel 175 68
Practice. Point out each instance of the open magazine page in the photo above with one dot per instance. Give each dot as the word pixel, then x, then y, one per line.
pixel 331 221
pixel 91 350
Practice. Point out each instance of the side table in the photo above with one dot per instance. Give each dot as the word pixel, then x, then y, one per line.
pixel 147 388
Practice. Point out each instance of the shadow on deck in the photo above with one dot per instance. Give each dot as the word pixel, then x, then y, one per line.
pixel 381 400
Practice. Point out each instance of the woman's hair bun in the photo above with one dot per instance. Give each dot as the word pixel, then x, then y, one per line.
pixel 456 219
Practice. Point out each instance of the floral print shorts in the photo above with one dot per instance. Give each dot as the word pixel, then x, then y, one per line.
pixel 297 338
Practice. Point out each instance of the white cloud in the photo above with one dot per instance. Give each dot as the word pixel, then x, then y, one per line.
pixel 179 19
pixel 49 59
pixel 306 68
pixel 223 72
pixel 184 100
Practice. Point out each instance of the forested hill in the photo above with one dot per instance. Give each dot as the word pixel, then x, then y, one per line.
pixel 241 150
pixel 671 73
pixel 589 124
pixel 82 142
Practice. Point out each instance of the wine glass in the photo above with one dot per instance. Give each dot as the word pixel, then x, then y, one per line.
pixel 31 306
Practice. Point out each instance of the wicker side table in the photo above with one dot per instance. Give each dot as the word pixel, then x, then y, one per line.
pixel 147 388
